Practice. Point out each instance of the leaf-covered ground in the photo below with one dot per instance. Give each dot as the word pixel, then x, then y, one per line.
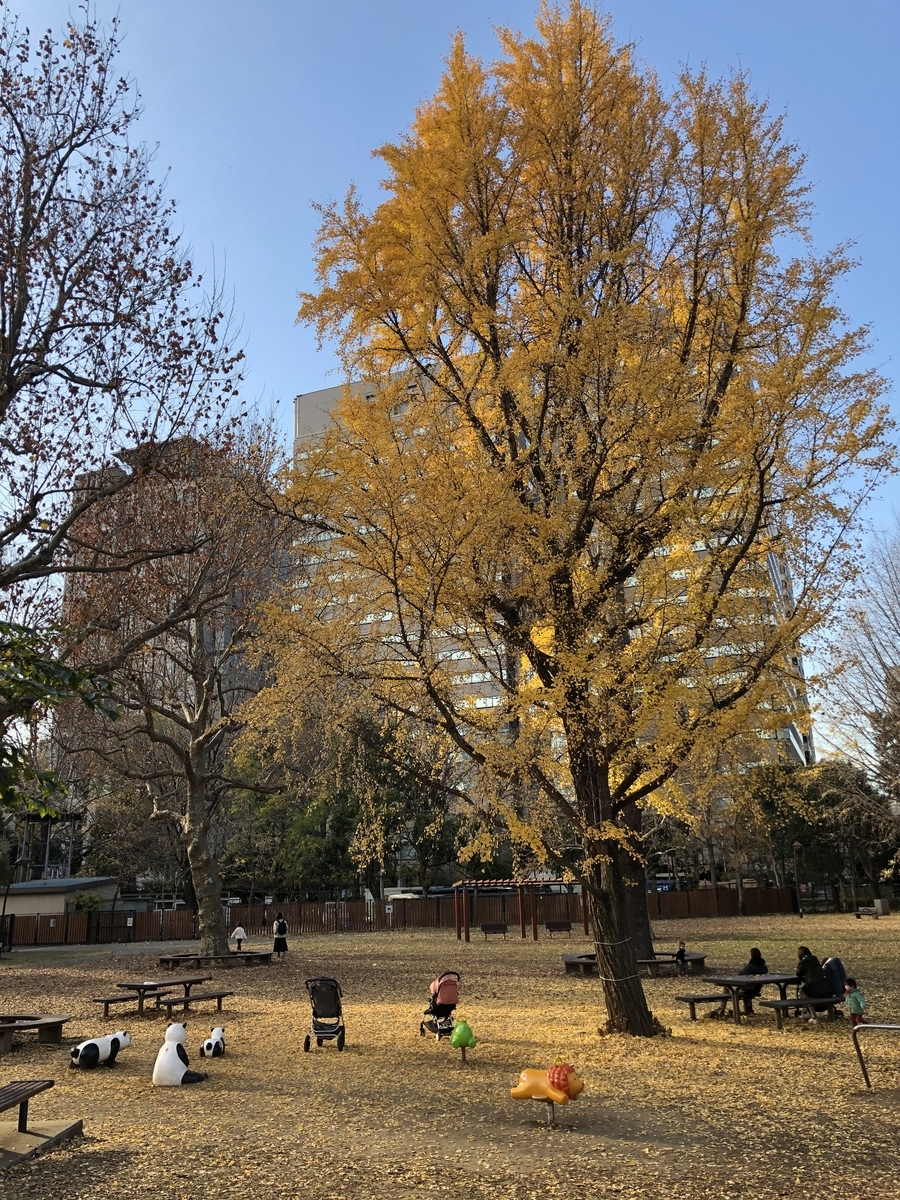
pixel 711 1111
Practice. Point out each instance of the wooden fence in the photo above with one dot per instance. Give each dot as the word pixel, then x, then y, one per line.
pixel 720 902
pixel 379 916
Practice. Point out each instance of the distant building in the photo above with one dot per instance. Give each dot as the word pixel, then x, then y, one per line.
pixel 48 897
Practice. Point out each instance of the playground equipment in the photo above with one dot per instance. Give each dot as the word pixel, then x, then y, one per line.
pixel 462 1038
pixel 558 1085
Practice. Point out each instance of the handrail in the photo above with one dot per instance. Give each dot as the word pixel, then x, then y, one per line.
pixel 855 1032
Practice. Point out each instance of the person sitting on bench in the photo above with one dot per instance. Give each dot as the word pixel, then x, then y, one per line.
pixel 756 966
pixel 812 978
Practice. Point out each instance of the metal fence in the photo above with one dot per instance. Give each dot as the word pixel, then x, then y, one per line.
pixel 378 916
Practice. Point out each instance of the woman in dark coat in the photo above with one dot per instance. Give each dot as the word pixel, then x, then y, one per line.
pixel 279 929
pixel 812 978
pixel 756 966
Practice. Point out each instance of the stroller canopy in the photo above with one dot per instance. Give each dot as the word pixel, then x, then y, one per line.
pixel 325 994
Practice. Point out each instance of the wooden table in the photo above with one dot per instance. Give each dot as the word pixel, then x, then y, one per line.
pixel 737 984
pixel 160 987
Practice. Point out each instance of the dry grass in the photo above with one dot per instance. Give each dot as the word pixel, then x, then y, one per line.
pixel 712 1111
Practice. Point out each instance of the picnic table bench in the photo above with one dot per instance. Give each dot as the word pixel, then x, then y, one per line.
pixel 693 1001
pixel 494 927
pixel 580 964
pixel 19 1093
pixel 169 1002
pixel 558 927
pixel 810 1002
pixel 739 985
pixel 140 990
pixel 244 958
pixel 134 994
pixel 49 1028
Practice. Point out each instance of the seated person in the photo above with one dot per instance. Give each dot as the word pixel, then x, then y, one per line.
pixel 812 978
pixel 756 966
pixel 836 976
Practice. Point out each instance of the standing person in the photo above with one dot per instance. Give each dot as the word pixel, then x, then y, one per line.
pixel 279 929
pixel 680 960
pixel 239 935
pixel 856 1002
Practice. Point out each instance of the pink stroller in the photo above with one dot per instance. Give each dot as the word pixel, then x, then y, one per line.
pixel 443 999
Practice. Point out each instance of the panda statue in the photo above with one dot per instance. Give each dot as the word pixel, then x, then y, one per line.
pixel 214 1046
pixel 171 1068
pixel 101 1050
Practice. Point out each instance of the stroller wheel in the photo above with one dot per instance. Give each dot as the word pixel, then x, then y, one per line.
pixel 318 1041
pixel 340 1040
pixel 421 1031
pixel 306 1044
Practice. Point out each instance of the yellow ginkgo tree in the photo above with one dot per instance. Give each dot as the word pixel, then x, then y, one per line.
pixel 595 490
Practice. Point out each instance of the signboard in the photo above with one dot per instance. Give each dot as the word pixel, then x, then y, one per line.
pixel 129 922
pixel 389 908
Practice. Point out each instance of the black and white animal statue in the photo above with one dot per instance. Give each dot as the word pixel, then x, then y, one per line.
pixel 171 1068
pixel 214 1046
pixel 101 1051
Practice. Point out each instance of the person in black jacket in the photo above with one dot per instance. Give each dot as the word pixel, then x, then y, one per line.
pixel 756 966
pixel 812 978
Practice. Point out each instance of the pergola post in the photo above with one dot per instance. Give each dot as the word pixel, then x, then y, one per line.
pixel 534 932
pixel 520 891
pixel 584 909
pixel 457 913
pixel 465 900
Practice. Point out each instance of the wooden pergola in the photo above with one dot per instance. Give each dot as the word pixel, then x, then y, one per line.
pixel 523 887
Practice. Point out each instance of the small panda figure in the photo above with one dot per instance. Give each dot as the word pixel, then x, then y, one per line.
pixel 97 1051
pixel 214 1046
pixel 171 1067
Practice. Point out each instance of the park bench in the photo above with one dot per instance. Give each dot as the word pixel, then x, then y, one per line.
pixel 863 911
pixel 49 1028
pixel 695 963
pixel 653 964
pixel 782 1006
pixel 128 998
pixel 494 927
pixel 693 1001
pixel 580 964
pixel 246 958
pixel 558 927
pixel 19 1093
pixel 169 1002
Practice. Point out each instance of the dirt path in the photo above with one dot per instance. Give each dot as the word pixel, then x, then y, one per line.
pixel 710 1111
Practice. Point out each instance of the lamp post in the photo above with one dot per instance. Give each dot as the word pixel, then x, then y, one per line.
pixel 797 846
pixel 20 862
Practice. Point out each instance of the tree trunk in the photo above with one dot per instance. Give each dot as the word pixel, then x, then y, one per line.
pixel 204 875
pixel 635 888
pixel 626 1005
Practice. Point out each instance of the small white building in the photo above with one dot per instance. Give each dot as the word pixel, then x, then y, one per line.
pixel 43 897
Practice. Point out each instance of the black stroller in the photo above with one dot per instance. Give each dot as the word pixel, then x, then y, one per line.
pixel 444 997
pixel 327 1018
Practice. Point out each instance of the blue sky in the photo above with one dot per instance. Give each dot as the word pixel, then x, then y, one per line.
pixel 261 108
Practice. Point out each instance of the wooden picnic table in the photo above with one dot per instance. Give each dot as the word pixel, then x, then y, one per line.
pixel 737 984
pixel 159 987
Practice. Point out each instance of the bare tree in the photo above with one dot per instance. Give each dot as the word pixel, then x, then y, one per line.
pixel 865 694
pixel 107 340
pixel 172 636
